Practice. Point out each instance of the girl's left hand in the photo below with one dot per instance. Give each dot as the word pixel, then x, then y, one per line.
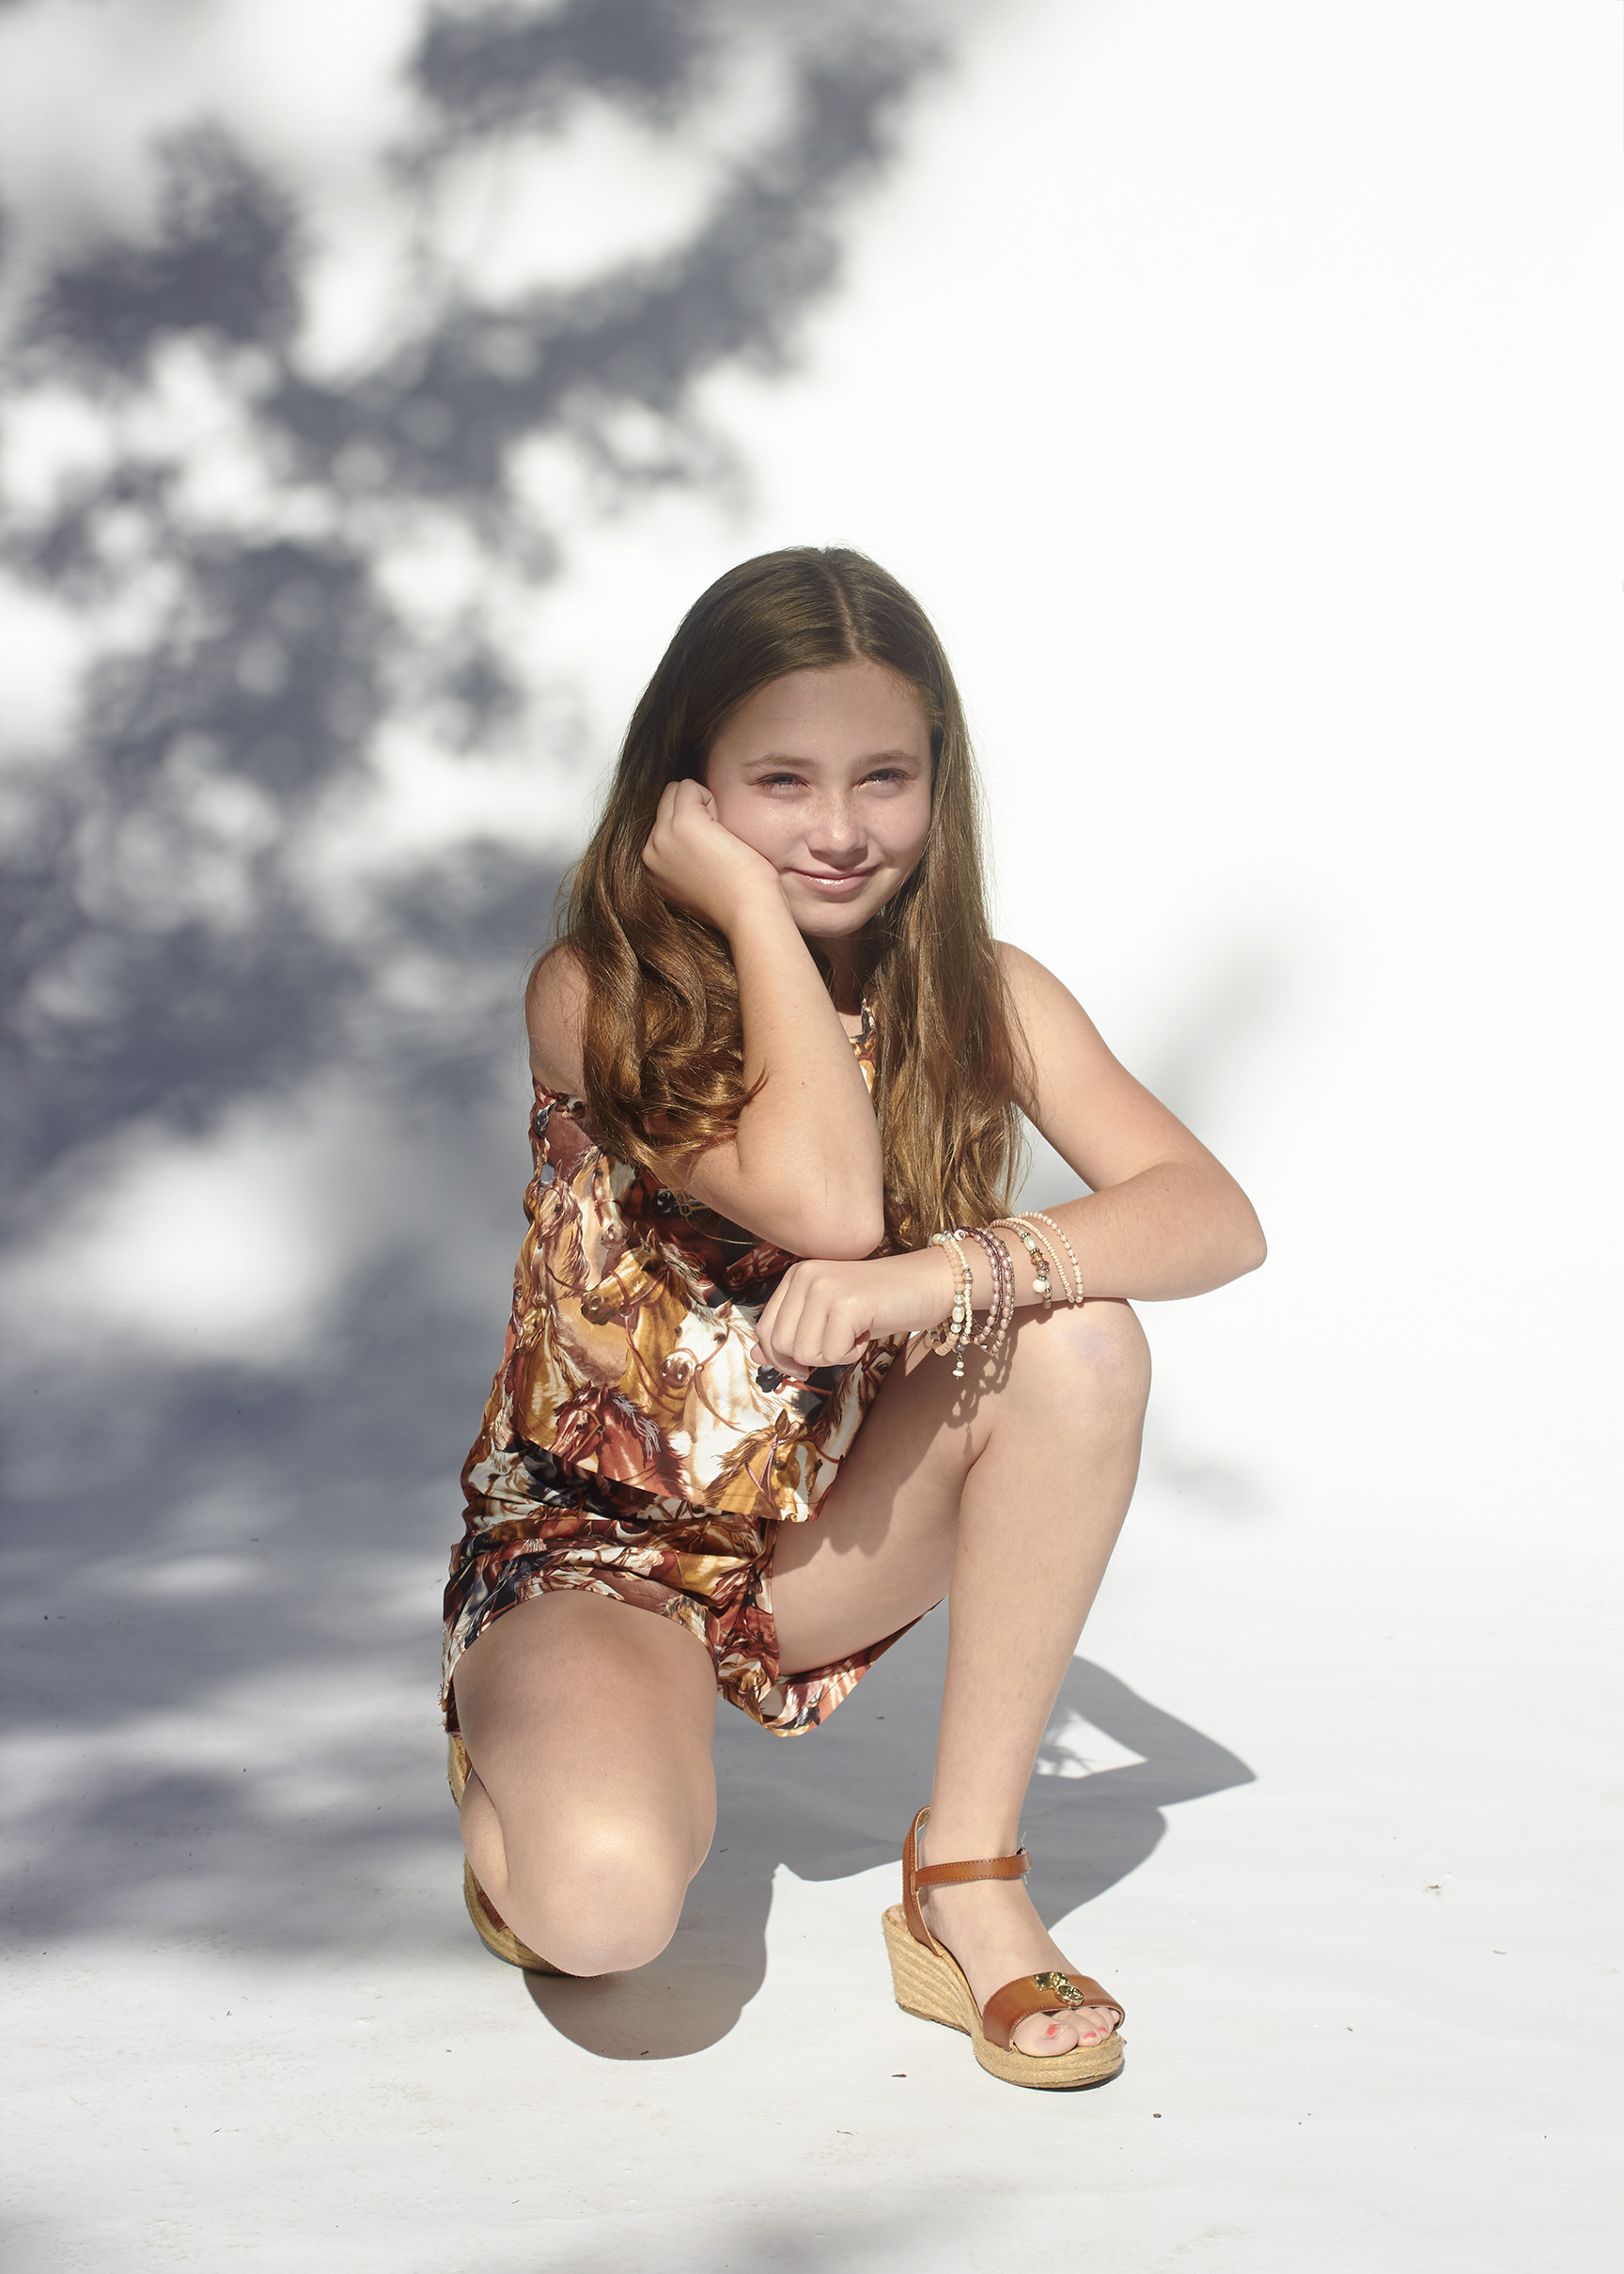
pixel 822 1314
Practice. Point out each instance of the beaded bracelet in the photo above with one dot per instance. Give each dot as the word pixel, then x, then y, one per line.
pixel 965 1304
pixel 1042 1286
pixel 979 1340
pixel 1002 1308
pixel 1035 1216
pixel 949 1339
pixel 1053 1270
pixel 1005 1263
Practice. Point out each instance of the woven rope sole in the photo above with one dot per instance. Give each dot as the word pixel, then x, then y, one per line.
pixel 496 1934
pixel 930 1985
pixel 500 1940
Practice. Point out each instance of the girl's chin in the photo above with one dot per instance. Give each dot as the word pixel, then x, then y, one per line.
pixel 833 921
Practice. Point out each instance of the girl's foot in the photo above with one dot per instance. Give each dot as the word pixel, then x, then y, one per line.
pixel 995 1934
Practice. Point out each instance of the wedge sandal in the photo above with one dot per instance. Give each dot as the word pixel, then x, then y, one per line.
pixel 930 1982
pixel 489 1923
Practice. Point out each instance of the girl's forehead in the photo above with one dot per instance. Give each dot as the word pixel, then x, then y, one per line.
pixel 835 704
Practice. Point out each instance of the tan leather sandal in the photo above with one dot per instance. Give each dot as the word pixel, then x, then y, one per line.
pixel 489 1923
pixel 930 1982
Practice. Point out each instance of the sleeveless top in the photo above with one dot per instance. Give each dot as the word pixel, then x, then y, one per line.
pixel 628 1352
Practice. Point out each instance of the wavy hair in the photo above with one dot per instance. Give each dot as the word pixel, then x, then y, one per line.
pixel 663 1045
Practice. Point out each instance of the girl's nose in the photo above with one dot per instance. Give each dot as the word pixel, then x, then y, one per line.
pixel 836 831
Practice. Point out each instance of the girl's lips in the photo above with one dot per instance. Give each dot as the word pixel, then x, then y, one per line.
pixel 847 881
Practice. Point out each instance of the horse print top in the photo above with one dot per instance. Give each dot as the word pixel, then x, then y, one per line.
pixel 628 1352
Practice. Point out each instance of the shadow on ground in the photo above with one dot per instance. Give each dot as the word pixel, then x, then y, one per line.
pixel 838 1800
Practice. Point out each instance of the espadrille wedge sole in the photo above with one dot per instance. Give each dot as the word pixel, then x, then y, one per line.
pixel 495 1932
pixel 489 1924
pixel 930 1986
pixel 930 1982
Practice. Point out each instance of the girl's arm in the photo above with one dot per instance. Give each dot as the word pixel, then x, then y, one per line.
pixel 1163 1220
pixel 803 1169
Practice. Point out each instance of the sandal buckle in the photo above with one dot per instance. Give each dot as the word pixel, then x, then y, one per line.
pixel 1062 1987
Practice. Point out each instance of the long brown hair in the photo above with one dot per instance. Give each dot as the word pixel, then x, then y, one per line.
pixel 663 1046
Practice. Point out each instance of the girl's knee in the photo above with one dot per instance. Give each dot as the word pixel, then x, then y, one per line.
pixel 1097 1351
pixel 598 1896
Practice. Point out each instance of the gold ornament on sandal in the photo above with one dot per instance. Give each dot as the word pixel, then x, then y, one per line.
pixel 1062 1986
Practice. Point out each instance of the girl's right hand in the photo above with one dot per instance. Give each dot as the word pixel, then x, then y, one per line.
pixel 699 865
pixel 822 1314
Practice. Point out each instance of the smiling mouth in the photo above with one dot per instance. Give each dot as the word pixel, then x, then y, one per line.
pixel 834 882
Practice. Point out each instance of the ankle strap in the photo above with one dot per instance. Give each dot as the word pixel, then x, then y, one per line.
pixel 990 1867
pixel 915 1877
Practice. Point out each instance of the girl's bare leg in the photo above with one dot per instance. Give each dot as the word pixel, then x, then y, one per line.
pixel 592 1801
pixel 1005 1492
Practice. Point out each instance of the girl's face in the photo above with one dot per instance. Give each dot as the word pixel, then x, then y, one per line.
pixel 827 774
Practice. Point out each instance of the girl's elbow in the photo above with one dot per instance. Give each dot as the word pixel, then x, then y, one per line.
pixel 842 1217
pixel 1238 1237
pixel 851 1238
pixel 1252 1247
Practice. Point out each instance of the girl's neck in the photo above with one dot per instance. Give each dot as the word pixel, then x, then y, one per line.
pixel 848 962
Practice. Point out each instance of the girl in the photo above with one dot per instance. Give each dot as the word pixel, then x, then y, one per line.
pixel 775 1026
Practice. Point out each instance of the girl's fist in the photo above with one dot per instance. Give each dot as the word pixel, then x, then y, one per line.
pixel 699 865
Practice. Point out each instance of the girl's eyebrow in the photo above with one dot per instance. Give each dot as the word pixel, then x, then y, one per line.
pixel 873 758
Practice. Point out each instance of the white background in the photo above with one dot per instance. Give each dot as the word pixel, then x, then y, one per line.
pixel 1237 387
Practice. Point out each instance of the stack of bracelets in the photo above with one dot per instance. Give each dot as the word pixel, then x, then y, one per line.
pixel 956 1333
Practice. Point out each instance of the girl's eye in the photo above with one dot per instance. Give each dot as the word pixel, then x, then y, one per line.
pixel 886 774
pixel 779 782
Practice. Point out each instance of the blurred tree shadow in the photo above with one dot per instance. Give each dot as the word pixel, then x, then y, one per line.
pixel 163 951
pixel 222 1577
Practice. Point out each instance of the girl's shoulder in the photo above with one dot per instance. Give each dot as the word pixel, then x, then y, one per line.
pixel 1053 1036
pixel 1023 973
pixel 1033 992
pixel 555 1017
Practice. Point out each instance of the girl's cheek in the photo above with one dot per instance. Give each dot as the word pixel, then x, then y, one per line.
pixel 748 826
pixel 732 817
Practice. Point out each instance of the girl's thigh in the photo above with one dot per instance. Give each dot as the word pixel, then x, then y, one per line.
pixel 1052 1427
pixel 588 1723
pixel 881 1551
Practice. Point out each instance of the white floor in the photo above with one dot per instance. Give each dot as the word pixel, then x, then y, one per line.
pixel 1368 1989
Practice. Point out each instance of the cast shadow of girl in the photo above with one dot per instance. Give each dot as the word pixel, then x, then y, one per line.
pixel 839 1801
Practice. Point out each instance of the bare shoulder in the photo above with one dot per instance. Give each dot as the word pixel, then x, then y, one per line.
pixel 556 1015
pixel 1045 1008
pixel 1106 1124
pixel 1027 979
